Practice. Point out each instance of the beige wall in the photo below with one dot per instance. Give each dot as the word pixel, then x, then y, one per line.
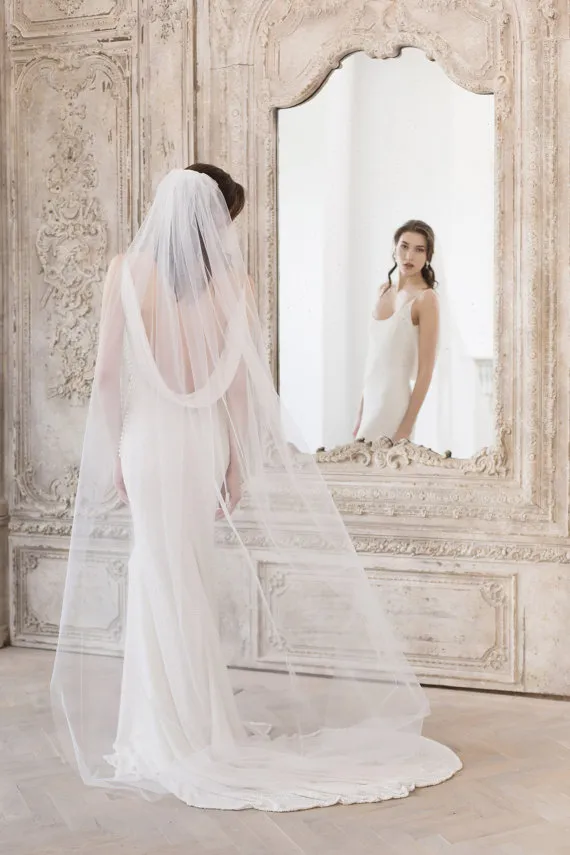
pixel 100 101
pixel 98 105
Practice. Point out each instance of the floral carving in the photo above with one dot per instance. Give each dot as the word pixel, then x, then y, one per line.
pixel 324 7
pixel 548 9
pixel 497 658
pixel 383 454
pixel 66 17
pixel 28 559
pixel 169 14
pixel 58 499
pixel 71 245
pixel 68 7
pixel 439 5
pixel 494 594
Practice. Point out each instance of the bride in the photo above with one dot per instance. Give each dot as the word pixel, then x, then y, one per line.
pixel 224 524
pixel 403 340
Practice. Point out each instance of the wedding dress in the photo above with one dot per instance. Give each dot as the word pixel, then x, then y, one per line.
pixel 296 713
pixel 391 366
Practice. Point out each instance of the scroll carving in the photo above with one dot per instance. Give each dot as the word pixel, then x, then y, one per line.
pixel 72 245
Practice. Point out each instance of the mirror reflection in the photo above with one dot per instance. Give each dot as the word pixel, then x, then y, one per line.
pixel 386 258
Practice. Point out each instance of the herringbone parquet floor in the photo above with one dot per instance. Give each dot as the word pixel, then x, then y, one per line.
pixel 512 798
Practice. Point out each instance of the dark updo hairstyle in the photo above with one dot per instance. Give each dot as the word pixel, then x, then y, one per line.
pixel 233 193
pixel 418 227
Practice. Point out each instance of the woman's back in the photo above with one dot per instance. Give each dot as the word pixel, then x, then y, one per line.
pixel 184 333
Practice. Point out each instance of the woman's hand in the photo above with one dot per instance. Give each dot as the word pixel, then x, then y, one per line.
pixel 119 482
pixel 231 491
pixel 403 432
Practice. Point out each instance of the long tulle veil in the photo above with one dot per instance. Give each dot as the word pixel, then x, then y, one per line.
pixel 194 655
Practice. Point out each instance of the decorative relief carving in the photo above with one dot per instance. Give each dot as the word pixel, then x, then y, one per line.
pixel 33 18
pixel 459 595
pixel 383 454
pixel 24 618
pixel 58 499
pixel 72 246
pixel 127 24
pixel 373 544
pixel 68 7
pixel 15 38
pixel 416 500
pixel 256 539
pixel 170 14
pixel 235 608
pixel 437 548
pixel 496 658
pixel 548 9
pixel 31 610
pixel 109 531
pixel 230 18
pixel 494 593
pixel 455 547
pixel 435 642
pixel 40 528
pixel 441 5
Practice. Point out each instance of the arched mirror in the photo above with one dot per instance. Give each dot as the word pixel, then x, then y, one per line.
pixel 382 143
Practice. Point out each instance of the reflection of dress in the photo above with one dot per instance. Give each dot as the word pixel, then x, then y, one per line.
pixel 391 366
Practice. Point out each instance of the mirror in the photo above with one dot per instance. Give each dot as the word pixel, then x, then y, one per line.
pixel 382 143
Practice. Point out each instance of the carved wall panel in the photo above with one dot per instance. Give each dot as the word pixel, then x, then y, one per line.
pixel 456 626
pixel 4 369
pixel 472 557
pixel 40 18
pixel 70 214
pixel 167 63
pixel 39 573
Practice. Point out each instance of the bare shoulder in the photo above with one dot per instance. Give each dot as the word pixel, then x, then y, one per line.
pixel 115 261
pixel 111 283
pixel 428 300
pixel 113 269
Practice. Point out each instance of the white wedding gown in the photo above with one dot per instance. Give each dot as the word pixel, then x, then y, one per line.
pixel 175 706
pixel 391 366
pixel 181 729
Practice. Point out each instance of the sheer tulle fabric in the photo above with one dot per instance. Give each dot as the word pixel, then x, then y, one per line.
pixel 221 684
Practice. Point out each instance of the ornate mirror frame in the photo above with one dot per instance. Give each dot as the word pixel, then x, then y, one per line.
pixel 261 55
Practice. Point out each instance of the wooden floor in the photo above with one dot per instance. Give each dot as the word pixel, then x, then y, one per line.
pixel 513 796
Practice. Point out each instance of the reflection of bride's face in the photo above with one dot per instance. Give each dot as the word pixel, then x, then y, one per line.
pixel 411 254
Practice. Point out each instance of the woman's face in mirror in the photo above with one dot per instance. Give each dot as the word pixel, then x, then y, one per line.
pixel 411 254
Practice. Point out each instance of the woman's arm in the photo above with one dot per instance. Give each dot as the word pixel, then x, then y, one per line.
pixel 428 316
pixel 381 292
pixel 358 418
pixel 237 404
pixel 107 381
